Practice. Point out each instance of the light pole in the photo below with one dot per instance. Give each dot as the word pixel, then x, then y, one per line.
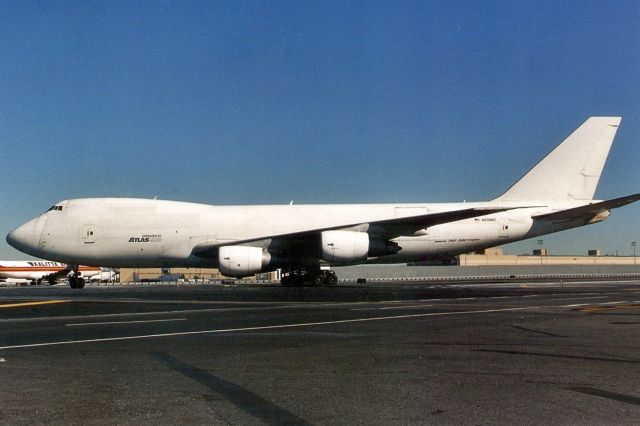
pixel 633 244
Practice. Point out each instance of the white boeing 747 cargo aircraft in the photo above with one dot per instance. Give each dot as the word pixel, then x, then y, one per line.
pixel 555 195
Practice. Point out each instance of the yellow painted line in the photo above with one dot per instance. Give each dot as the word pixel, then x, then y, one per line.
pixel 44 302
pixel 594 309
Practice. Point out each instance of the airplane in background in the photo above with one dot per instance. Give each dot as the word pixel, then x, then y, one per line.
pixel 106 275
pixel 555 195
pixel 38 271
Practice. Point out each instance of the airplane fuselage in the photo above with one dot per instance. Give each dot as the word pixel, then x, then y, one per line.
pixel 121 232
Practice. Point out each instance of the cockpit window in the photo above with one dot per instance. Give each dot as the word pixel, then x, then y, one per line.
pixel 59 208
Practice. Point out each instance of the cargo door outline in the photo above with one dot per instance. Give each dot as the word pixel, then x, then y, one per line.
pixel 503 231
pixel 89 233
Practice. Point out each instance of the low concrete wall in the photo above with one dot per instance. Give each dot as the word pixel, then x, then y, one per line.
pixel 403 271
pixel 480 260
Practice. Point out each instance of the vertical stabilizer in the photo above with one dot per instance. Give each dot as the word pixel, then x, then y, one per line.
pixel 572 170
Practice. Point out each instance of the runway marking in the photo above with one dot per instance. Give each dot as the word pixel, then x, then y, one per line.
pixel 392 307
pixel 180 312
pixel 406 307
pixel 612 306
pixel 265 327
pixel 123 322
pixel 580 298
pixel 45 302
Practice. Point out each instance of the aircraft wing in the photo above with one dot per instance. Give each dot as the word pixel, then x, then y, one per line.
pixel 386 229
pixel 392 228
pixel 590 210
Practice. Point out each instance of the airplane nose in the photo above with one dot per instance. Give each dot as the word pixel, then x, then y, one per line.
pixel 25 237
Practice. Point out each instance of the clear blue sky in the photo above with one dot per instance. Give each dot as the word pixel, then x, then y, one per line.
pixel 319 102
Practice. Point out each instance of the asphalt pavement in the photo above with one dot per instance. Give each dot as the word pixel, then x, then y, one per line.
pixel 380 353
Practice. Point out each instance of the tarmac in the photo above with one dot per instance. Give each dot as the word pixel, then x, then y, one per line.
pixel 377 353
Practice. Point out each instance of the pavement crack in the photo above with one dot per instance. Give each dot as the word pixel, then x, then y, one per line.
pixel 242 398
pixel 587 358
pixel 627 399
pixel 546 333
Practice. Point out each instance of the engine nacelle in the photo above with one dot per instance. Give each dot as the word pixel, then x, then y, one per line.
pixel 353 247
pixel 241 261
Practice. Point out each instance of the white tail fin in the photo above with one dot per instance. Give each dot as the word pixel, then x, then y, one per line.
pixel 572 170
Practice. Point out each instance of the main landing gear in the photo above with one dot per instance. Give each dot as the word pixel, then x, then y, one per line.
pixel 306 277
pixel 76 282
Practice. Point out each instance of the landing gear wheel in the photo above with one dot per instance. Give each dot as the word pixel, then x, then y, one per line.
pixel 75 282
pixel 332 279
pixel 308 277
pixel 318 280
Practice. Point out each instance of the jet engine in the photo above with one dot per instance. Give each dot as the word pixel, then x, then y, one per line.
pixel 241 261
pixel 353 247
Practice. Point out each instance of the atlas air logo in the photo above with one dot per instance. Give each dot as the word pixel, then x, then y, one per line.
pixel 155 238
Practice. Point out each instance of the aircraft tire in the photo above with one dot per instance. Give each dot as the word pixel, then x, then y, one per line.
pixel 332 279
pixel 318 280
pixel 76 282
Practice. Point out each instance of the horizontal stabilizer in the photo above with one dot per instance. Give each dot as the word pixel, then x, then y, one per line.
pixel 589 209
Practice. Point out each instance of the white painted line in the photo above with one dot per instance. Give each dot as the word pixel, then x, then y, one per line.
pixel 266 327
pixel 406 307
pixel 123 322
pixel 579 298
pixel 599 304
pixel 390 307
